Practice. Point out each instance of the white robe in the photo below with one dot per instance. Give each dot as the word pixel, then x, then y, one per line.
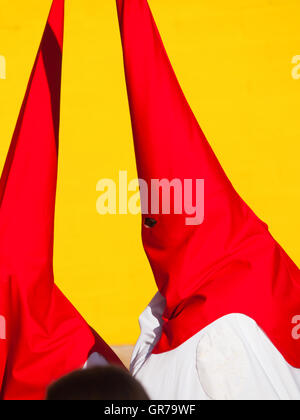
pixel 231 359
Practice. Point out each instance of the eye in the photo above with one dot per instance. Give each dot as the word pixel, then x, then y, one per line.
pixel 149 222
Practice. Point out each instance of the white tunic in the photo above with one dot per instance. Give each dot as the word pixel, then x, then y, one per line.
pixel 231 359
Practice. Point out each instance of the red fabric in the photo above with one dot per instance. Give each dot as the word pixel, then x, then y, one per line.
pixel 45 336
pixel 228 264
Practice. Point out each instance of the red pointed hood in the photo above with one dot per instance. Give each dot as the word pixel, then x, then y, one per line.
pixel 45 336
pixel 28 183
pixel 227 264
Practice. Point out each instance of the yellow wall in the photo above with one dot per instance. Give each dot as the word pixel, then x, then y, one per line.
pixel 234 61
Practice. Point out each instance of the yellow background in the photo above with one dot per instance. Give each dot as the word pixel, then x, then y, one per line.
pixel 234 61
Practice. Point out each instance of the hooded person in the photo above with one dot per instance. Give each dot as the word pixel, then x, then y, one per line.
pixel 42 336
pixel 222 325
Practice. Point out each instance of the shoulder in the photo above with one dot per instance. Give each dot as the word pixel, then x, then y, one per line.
pixel 222 361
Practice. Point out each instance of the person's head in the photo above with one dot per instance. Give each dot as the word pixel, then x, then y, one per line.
pixel 97 384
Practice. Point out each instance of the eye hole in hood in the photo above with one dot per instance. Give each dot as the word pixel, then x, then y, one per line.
pixel 150 223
